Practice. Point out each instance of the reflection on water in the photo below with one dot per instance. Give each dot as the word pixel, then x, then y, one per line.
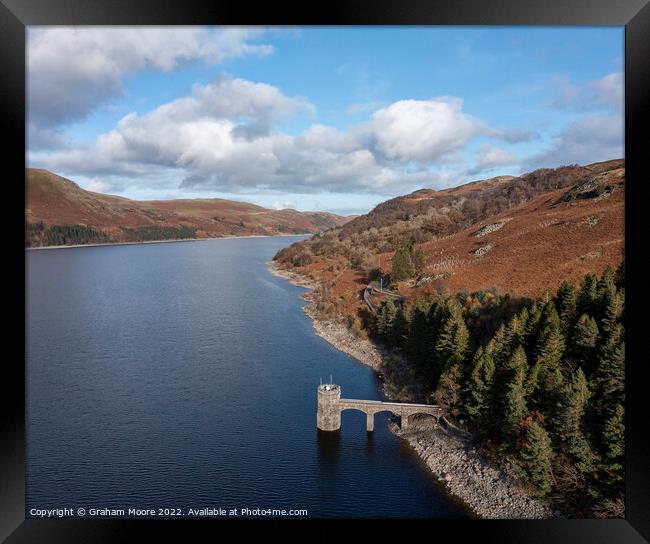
pixel 329 449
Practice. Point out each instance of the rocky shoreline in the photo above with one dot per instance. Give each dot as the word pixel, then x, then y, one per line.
pixel 487 491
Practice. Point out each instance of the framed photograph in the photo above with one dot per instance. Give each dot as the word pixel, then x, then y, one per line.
pixel 376 263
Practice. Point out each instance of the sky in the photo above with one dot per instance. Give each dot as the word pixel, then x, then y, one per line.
pixel 336 119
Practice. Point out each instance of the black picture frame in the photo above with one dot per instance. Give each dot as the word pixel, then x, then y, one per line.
pixel 15 15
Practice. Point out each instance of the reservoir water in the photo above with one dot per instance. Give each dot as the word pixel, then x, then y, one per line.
pixel 184 375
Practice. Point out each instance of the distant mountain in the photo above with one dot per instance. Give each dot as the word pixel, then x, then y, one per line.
pixel 59 212
pixel 519 234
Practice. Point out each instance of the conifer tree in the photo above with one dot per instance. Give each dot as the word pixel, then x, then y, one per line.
pixel 479 403
pixel 515 334
pixel 523 319
pixel 570 423
pixel 614 441
pixel 515 395
pixel 588 295
pixel 550 348
pixel 417 258
pixel 500 345
pixel 537 457
pixel 402 266
pixel 397 331
pixel 416 335
pixel 613 311
pixel 609 379
pixel 385 316
pixel 567 300
pixel 532 327
pixel 452 342
pixel 531 383
pixel 584 342
pixel 436 316
pixel 606 288
pixel 453 339
pixel 619 276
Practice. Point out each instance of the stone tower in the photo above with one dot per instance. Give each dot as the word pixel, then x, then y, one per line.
pixel 328 416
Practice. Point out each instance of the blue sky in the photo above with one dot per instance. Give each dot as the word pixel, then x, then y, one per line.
pixel 332 118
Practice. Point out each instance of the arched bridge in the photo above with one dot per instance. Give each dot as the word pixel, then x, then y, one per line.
pixel 330 406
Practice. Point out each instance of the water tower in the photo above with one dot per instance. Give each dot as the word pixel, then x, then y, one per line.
pixel 328 416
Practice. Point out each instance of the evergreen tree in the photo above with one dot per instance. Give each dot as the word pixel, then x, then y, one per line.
pixel 550 348
pixel 570 424
pixel 567 300
pixel 417 258
pixel 584 342
pixel 537 457
pixel 531 383
pixel 609 379
pixel 546 297
pixel 619 277
pixel 523 319
pixel 588 295
pixel 385 317
pixel 437 314
pixel 606 290
pixel 515 395
pixel 416 335
pixel 453 339
pixel 397 331
pixel 614 441
pixel 500 345
pixel 515 332
pixel 613 311
pixel 568 402
pixel 402 266
pixel 532 327
pixel 479 401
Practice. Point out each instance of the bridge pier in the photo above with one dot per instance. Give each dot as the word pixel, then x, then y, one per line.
pixel 404 422
pixel 370 422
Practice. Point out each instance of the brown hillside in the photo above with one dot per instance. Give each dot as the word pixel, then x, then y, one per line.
pixel 558 235
pixel 57 201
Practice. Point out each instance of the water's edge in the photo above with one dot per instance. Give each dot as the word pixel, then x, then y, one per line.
pixel 172 240
pixel 484 490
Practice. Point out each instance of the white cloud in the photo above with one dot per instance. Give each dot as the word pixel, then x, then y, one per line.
pixel 605 93
pixel 72 70
pixel 598 135
pixel 222 138
pixel 284 205
pixel 591 139
pixel 566 91
pixel 492 157
pixel 423 130
pixel 40 139
pixel 97 186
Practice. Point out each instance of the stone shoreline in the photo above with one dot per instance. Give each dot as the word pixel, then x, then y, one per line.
pixel 449 454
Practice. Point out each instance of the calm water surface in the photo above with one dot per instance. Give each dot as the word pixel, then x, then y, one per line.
pixel 184 375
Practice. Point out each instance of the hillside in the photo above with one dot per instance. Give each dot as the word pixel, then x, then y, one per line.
pixel 519 235
pixel 59 212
